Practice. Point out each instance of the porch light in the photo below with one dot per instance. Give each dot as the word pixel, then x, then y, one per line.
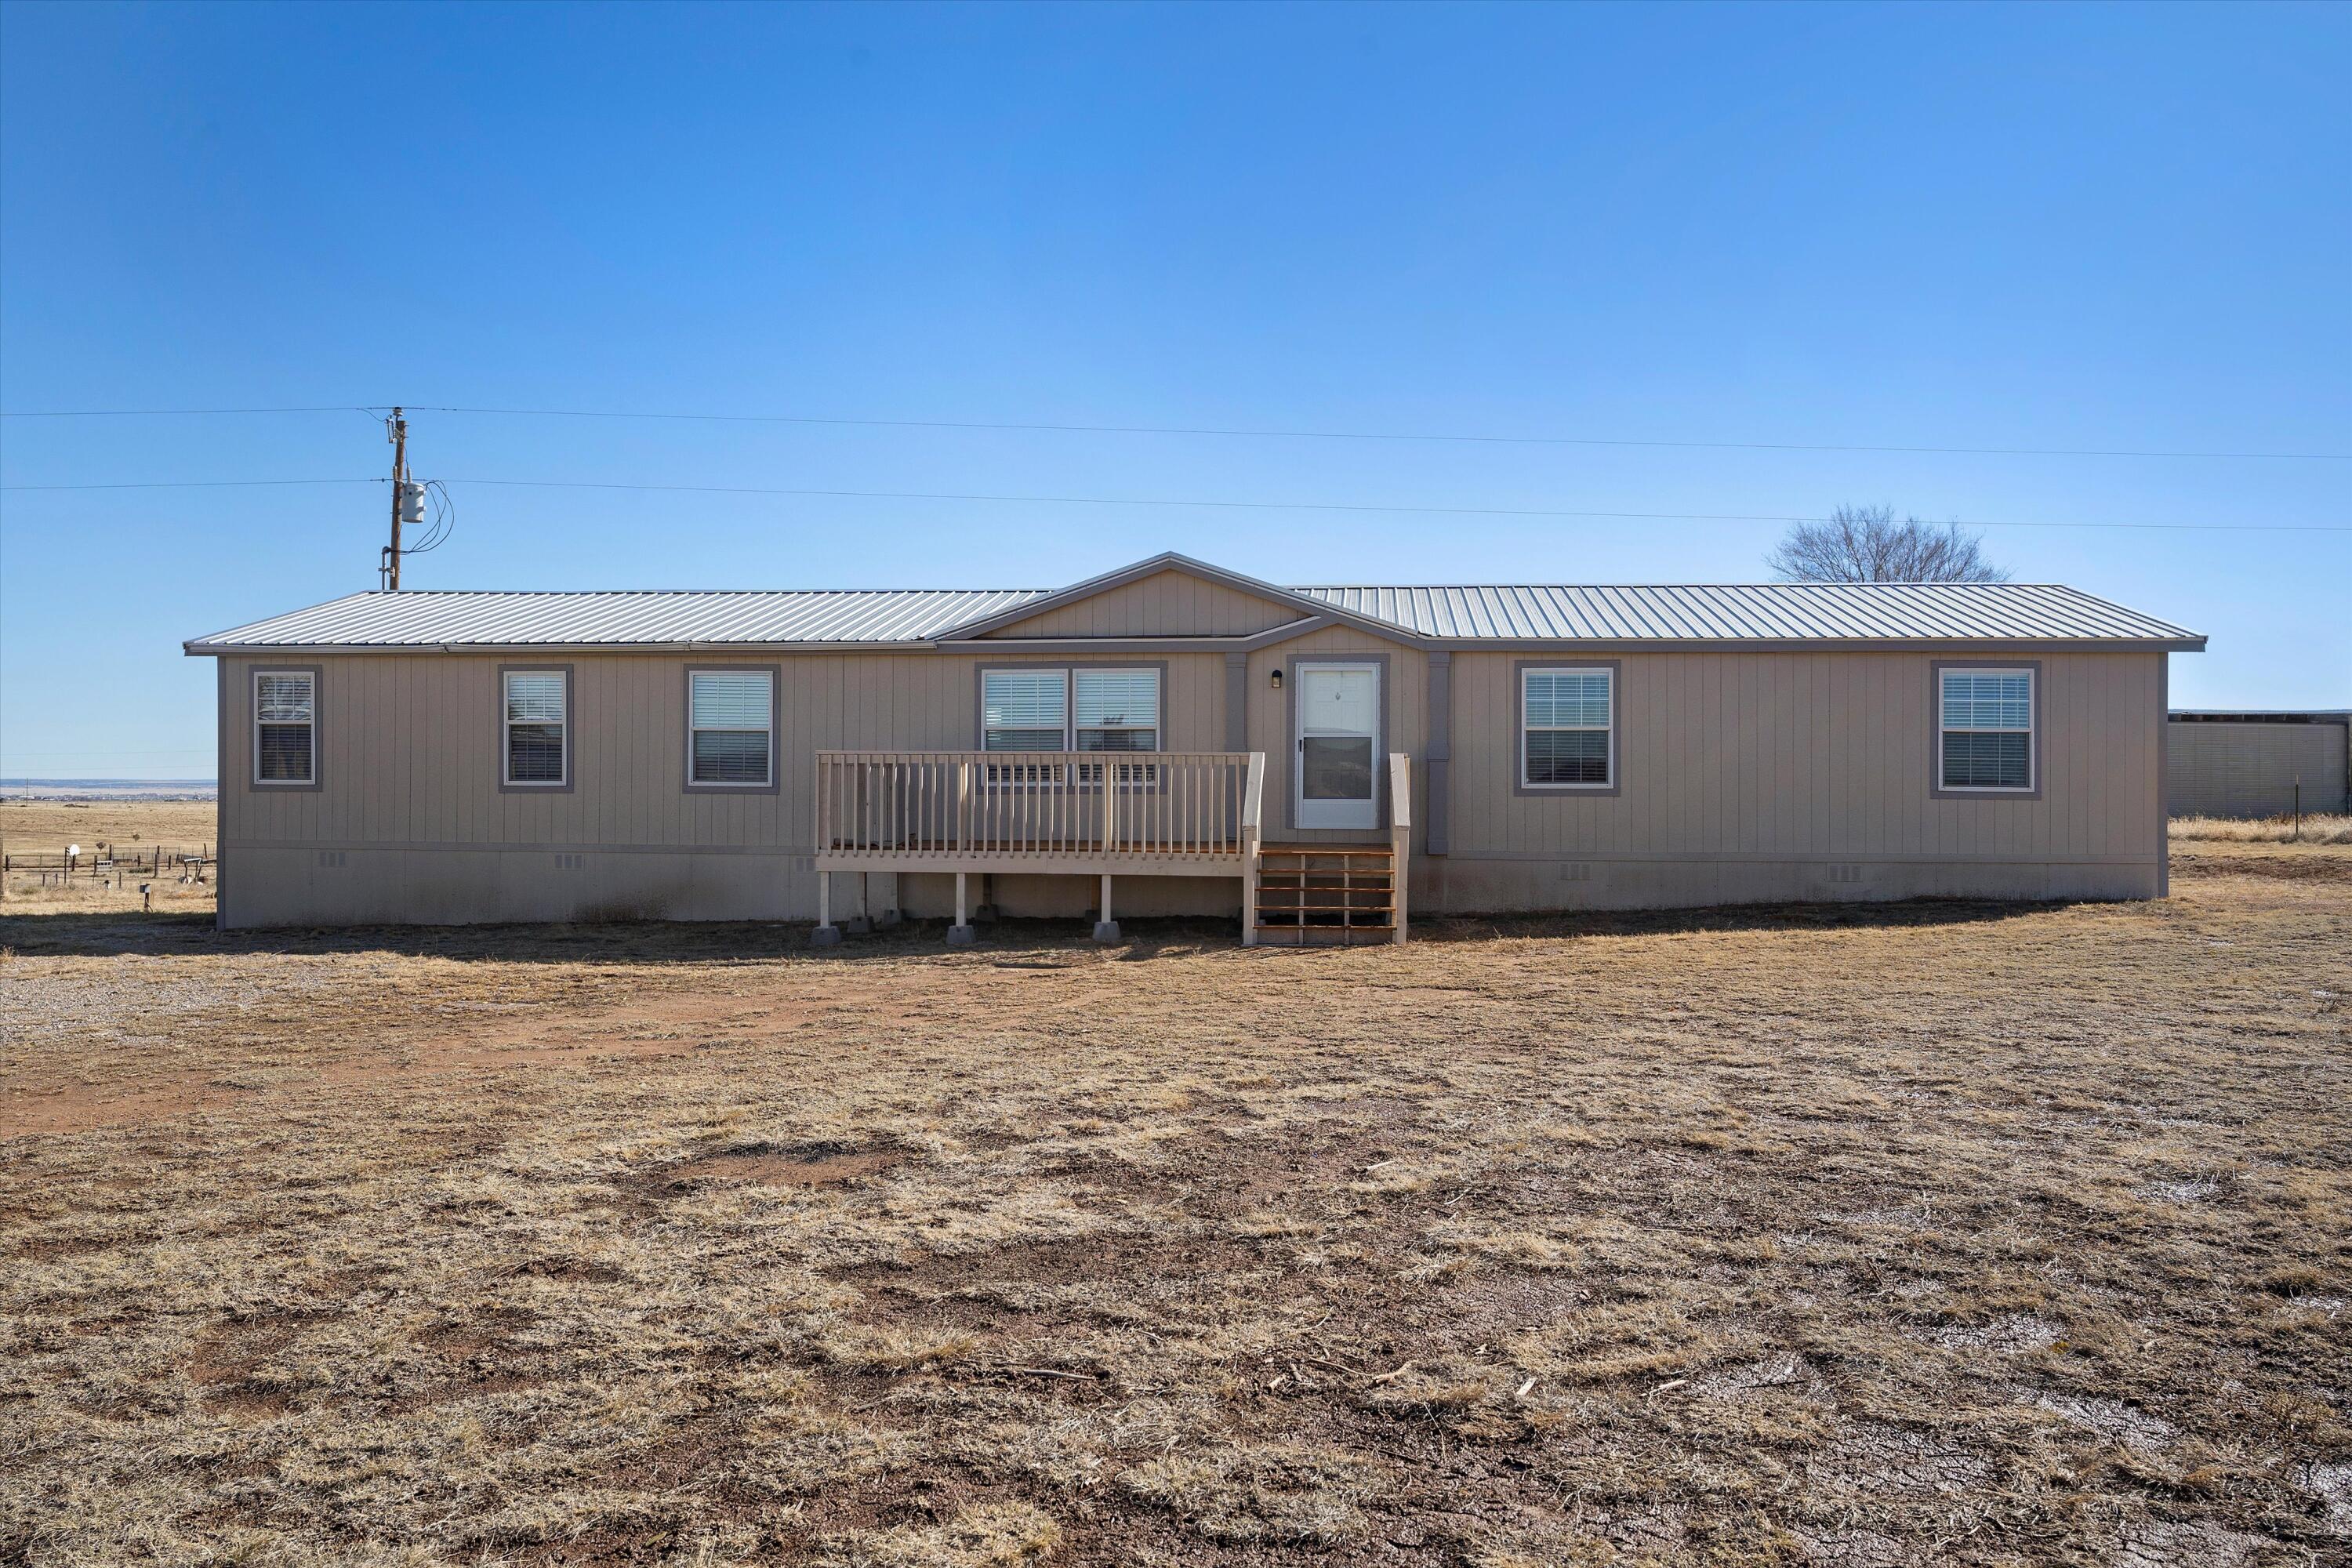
pixel 1277 680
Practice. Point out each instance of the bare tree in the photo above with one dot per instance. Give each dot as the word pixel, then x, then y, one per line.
pixel 1866 544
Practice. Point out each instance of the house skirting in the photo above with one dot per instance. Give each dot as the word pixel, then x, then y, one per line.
pixel 359 884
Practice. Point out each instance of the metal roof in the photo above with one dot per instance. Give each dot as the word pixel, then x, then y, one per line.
pixel 1766 612
pixel 1758 611
pixel 633 618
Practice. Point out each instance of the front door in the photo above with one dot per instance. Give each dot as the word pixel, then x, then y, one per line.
pixel 1338 709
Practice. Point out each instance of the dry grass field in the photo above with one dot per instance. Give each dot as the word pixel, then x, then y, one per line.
pixel 42 827
pixel 1932 1233
pixel 2315 829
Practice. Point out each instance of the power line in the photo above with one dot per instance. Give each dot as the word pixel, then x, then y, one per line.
pixel 165 413
pixel 1357 507
pixel 1218 505
pixel 1239 431
pixel 189 484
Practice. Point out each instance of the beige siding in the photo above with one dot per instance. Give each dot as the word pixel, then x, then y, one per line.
pixel 1772 768
pixel 1166 604
pixel 1745 776
pixel 1405 702
pixel 409 756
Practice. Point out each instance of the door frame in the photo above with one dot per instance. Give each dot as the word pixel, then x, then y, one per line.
pixel 1384 719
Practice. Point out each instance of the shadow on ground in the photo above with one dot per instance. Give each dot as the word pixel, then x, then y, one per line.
pixel 133 934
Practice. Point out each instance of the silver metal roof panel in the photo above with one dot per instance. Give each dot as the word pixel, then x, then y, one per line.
pixel 636 618
pixel 1756 612
pixel 1723 614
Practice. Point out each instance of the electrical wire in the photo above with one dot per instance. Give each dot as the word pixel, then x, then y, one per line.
pixel 167 412
pixel 1364 507
pixel 1391 436
pixel 192 484
pixel 1236 431
pixel 1217 505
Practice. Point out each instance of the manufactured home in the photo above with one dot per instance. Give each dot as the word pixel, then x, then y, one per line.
pixel 1176 738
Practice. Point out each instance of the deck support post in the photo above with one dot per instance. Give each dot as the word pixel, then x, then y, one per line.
pixel 827 934
pixel 960 934
pixel 1105 928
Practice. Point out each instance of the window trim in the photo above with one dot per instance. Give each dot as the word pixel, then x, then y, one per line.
pixel 253 725
pixel 1936 670
pixel 571 726
pixel 1069 670
pixel 776 784
pixel 1615 670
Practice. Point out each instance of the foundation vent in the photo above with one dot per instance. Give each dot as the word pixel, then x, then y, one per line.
pixel 570 862
pixel 1576 871
pixel 332 859
pixel 1845 873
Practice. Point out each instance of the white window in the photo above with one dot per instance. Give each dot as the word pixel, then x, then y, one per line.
pixel 1024 710
pixel 1056 709
pixel 1984 737
pixel 1568 728
pixel 1118 710
pixel 731 737
pixel 536 727
pixel 285 727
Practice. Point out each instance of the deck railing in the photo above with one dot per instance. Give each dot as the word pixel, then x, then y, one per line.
pixel 998 805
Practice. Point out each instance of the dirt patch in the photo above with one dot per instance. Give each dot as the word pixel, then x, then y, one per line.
pixel 819 1165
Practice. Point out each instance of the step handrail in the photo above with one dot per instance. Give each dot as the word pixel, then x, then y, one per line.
pixel 1399 831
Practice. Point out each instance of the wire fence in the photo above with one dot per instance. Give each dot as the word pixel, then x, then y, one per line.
pixel 111 863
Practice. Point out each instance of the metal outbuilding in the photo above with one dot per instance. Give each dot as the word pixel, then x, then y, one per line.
pixel 2254 765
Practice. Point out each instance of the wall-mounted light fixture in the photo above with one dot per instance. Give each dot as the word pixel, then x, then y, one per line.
pixel 1277 680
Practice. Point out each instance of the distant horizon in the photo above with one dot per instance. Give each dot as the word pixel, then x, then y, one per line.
pixel 47 785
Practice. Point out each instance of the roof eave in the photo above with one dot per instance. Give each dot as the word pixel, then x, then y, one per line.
pixel 198 649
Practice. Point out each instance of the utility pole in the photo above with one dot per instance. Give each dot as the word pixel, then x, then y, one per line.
pixel 399 436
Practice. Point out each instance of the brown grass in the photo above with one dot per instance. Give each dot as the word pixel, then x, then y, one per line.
pixel 2313 829
pixel 44 827
pixel 1927 1233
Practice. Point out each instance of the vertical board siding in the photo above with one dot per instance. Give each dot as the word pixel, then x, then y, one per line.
pixel 1788 757
pixel 1809 754
pixel 1166 604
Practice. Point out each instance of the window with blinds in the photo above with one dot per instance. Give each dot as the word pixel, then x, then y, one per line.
pixel 731 739
pixel 1566 722
pixel 1024 710
pixel 1118 710
pixel 1985 736
pixel 285 727
pixel 537 726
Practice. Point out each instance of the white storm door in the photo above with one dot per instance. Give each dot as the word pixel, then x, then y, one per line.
pixel 1338 746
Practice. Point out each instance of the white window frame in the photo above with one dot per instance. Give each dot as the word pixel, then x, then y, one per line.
pixel 2032 732
pixel 309 779
pixel 1130 775
pixel 775 686
pixel 1607 785
pixel 507 721
pixel 1158 703
pixel 1069 674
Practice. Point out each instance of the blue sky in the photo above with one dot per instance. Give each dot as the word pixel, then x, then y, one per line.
pixel 2108 228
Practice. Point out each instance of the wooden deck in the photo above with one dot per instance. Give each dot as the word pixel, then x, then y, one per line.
pixel 1107 815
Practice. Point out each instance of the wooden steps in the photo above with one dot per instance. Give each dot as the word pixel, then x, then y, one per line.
pixel 1311 895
